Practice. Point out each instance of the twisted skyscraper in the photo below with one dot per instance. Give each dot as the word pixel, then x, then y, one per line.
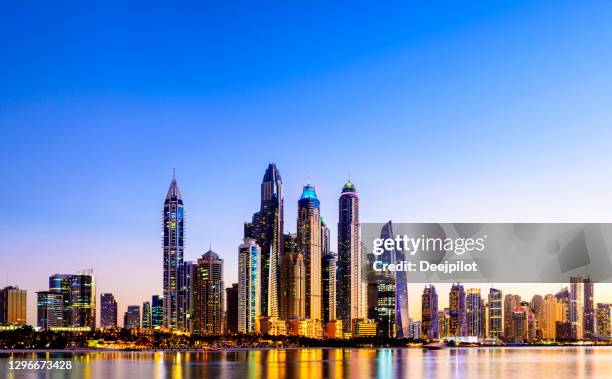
pixel 173 245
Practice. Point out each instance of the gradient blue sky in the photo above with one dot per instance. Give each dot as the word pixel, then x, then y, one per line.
pixel 439 111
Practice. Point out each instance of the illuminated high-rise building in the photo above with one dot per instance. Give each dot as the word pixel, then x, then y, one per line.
pixel 79 297
pixel 457 312
pixel 173 238
pixel 13 306
pixel 510 302
pixel 157 311
pixel 589 308
pixel 249 285
pixel 49 310
pixel 474 312
pixel 267 230
pixel 147 321
pixel 495 321
pixel 382 291
pixel 576 307
pixel 537 308
pixel 108 310
pixel 131 318
pixel 429 313
pixel 60 284
pixel 186 295
pixel 563 298
pixel 208 294
pixel 328 277
pixel 603 320
pixel 309 244
pixel 292 280
pixel 350 285
pixel 551 313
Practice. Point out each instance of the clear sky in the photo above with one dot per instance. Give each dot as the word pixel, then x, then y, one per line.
pixel 438 111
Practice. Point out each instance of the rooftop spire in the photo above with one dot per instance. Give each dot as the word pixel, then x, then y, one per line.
pixel 174 192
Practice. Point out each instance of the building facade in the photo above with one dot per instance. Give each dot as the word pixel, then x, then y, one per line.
pixel 267 230
pixel 309 245
pixel 495 312
pixel 349 283
pixel 209 291
pixel 457 311
pixel 108 310
pixel 429 313
pixel 13 306
pixel 49 310
pixel 249 285
pixel 231 309
pixel 173 242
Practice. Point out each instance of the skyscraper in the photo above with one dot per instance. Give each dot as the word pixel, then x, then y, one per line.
pixel 510 302
pixel 157 311
pixel 108 310
pixel 249 285
pixel 382 291
pixel 267 230
pixel 292 280
pixel 603 319
pixel 146 315
pixel 173 247
pixel 576 307
pixel 474 312
pixel 49 309
pixel 231 309
pixel 429 313
pixel 131 318
pixel 208 294
pixel 13 306
pixel 350 285
pixel 552 312
pixel 495 313
pixel 589 308
pixel 60 284
pixel 537 308
pixel 456 302
pixel 186 296
pixel 309 244
pixel 329 287
pixel 79 297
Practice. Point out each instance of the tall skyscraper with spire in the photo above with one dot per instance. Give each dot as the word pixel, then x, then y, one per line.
pixel 267 230
pixel 349 285
pixel 309 245
pixel 173 245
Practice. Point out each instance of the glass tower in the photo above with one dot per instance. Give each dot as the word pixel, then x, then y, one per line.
pixel 173 246
pixel 249 285
pixel 429 313
pixel 108 310
pixel 267 230
pixel 349 284
pixel 309 244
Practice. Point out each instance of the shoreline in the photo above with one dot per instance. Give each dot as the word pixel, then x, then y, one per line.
pixel 240 349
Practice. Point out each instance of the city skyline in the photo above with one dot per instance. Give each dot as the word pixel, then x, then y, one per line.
pixel 308 192
pixel 437 111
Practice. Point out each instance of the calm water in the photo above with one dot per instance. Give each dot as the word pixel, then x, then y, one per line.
pixel 498 363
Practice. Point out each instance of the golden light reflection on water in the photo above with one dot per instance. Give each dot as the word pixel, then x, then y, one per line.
pixel 494 363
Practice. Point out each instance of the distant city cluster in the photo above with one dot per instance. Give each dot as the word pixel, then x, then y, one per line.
pixel 568 315
pixel 292 284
